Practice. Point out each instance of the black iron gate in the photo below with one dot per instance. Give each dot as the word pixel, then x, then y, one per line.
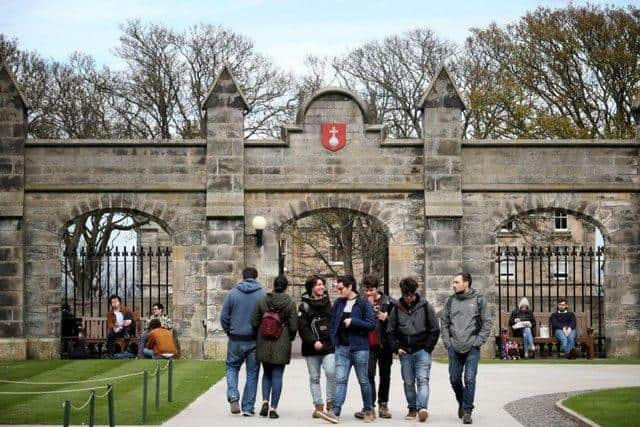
pixel 546 274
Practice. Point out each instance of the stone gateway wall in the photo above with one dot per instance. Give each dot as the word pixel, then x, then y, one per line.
pixel 440 198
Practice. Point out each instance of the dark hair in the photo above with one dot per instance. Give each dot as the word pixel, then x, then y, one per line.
pixel 311 282
pixel 249 273
pixel 347 280
pixel 466 277
pixel 408 285
pixel 112 296
pixel 280 283
pixel 159 305
pixel 154 323
pixel 564 300
pixel 370 281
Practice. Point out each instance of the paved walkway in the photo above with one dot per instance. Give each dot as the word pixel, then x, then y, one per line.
pixel 498 384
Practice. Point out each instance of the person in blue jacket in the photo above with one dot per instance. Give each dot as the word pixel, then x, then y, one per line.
pixel 352 318
pixel 237 311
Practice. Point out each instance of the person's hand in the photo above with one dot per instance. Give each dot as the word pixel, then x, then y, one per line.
pixel 516 320
pixel 383 316
pixel 127 322
pixel 566 330
pixel 117 329
pixel 401 352
pixel 347 322
pixel 317 345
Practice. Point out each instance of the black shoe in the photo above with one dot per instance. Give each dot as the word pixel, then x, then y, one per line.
pixel 273 414
pixel 466 418
pixel 264 411
pixel 460 412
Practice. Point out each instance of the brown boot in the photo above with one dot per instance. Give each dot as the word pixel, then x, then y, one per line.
pixel 329 406
pixel 316 412
pixel 383 412
pixel 411 415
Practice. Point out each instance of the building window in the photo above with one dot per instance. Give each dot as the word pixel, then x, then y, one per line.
pixel 559 267
pixel 507 265
pixel 560 220
pixel 508 227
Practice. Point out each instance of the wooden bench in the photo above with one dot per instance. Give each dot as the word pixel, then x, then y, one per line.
pixel 94 334
pixel 545 345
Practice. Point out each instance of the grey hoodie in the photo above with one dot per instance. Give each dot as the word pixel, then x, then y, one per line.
pixel 467 322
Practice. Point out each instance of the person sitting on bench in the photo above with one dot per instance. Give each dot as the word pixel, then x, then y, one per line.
pixel 523 323
pixel 563 323
pixel 160 344
pixel 157 312
pixel 121 323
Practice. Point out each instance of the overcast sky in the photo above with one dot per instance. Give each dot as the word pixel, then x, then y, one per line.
pixel 285 30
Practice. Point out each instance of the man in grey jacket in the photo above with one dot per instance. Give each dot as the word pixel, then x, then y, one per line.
pixel 466 325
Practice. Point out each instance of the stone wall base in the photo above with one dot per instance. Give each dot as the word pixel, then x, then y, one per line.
pixel 190 348
pixel 13 349
pixel 43 348
pixel 215 348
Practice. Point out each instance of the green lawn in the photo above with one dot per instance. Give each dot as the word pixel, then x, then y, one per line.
pixel 555 361
pixel 190 379
pixel 609 408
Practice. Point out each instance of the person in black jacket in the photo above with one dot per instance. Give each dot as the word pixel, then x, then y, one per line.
pixel 413 333
pixel 563 324
pixel 314 318
pixel 523 324
pixel 380 353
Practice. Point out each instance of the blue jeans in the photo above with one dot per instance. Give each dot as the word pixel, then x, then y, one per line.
pixel 314 364
pixel 143 343
pixel 239 352
pixel 272 383
pixel 345 359
pixel 416 369
pixel 527 338
pixel 467 362
pixel 566 342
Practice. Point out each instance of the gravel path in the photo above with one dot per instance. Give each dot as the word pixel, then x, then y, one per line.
pixel 540 411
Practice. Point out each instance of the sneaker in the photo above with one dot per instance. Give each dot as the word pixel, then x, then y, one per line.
pixel 369 416
pixel 273 414
pixel 329 416
pixel 317 411
pixel 329 406
pixel 359 415
pixel 248 414
pixel 264 410
pixel 466 418
pixel 411 415
pixel 383 411
pixel 573 353
pixel 423 415
pixel 235 407
pixel 460 412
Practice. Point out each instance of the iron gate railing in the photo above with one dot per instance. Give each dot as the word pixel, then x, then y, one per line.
pixel 141 277
pixel 545 274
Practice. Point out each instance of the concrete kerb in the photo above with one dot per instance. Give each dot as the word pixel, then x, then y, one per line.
pixel 580 419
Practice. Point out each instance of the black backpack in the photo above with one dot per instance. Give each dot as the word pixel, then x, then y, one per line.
pixel 320 324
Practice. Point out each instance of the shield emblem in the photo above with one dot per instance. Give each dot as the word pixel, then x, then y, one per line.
pixel 333 136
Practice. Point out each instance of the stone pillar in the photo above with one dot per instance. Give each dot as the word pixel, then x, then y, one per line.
pixel 225 108
pixel 13 119
pixel 442 109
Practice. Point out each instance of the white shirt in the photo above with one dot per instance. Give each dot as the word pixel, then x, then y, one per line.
pixel 119 318
pixel 349 305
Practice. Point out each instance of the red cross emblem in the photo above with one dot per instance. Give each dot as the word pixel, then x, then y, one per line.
pixel 333 135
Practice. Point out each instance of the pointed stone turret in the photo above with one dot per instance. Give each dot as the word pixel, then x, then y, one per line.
pixel 225 92
pixel 442 92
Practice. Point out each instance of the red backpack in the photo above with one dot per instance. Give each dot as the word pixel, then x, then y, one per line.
pixel 271 324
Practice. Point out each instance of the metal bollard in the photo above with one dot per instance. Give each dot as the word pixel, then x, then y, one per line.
pixel 145 381
pixel 170 382
pixel 158 387
pixel 112 417
pixel 92 408
pixel 67 413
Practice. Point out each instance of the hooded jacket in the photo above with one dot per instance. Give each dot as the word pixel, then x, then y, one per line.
pixel 413 328
pixel 238 308
pixel 385 304
pixel 524 316
pixel 465 321
pixel 362 321
pixel 312 315
pixel 278 351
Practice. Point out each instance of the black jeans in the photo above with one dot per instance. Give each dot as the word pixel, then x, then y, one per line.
pixel 383 359
pixel 112 336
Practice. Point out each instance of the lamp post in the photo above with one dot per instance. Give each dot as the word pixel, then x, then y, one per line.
pixel 259 223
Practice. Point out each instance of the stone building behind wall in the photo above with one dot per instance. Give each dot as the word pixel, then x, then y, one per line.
pixel 442 201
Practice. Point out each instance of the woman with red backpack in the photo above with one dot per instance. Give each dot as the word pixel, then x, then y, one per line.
pixel 276 320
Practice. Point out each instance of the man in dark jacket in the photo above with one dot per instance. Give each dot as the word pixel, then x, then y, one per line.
pixel 380 353
pixel 413 333
pixel 563 325
pixel 237 310
pixel 351 320
pixel 466 325
pixel 314 322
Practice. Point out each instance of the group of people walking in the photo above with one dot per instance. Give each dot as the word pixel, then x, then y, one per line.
pixel 360 330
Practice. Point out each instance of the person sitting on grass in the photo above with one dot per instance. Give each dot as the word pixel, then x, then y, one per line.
pixel 157 312
pixel 160 344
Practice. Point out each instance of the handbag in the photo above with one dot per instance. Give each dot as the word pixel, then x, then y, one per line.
pixel 544 331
